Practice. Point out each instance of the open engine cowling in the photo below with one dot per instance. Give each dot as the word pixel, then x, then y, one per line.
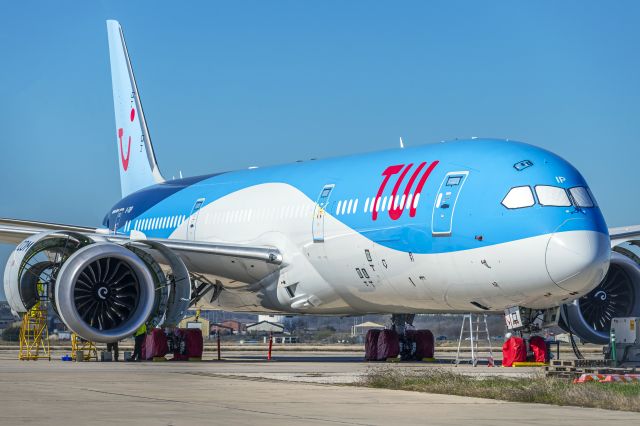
pixel 618 295
pixel 101 290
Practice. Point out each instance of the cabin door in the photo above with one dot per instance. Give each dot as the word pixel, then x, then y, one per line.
pixel 193 219
pixel 317 227
pixel 445 205
pixel 116 223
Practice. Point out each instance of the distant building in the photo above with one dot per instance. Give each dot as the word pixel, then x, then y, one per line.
pixel 278 319
pixel 221 329
pixel 237 326
pixel 361 329
pixel 285 339
pixel 229 327
pixel 265 327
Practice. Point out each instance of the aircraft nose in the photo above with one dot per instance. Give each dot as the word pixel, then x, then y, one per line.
pixel 577 259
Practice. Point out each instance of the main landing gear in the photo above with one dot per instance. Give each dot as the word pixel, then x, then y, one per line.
pixel 399 324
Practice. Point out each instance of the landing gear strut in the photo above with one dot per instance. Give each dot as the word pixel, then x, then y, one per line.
pixel 398 324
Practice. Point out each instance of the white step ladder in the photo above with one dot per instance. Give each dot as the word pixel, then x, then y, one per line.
pixel 477 331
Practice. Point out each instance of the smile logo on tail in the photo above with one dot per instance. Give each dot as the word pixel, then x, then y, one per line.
pixel 125 160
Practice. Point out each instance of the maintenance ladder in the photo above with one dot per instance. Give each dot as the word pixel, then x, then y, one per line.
pixel 84 348
pixel 474 336
pixel 34 333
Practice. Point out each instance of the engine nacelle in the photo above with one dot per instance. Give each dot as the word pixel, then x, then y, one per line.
pixel 101 290
pixel 618 295
pixel 104 292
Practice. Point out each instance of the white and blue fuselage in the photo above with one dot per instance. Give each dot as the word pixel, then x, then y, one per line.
pixel 478 225
pixel 470 225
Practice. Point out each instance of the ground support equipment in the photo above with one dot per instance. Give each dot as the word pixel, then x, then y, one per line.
pixel 477 330
pixel 34 334
pixel 89 350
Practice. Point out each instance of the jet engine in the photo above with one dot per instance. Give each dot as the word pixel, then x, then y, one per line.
pixel 102 291
pixel 618 295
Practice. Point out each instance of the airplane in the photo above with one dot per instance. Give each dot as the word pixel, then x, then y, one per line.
pixel 474 225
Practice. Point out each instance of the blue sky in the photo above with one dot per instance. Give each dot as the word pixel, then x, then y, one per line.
pixel 228 85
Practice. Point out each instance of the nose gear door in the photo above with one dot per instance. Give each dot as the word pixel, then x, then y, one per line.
pixel 444 207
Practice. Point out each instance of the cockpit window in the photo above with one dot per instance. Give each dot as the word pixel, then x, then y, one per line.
pixel 581 197
pixel 518 197
pixel 593 199
pixel 552 196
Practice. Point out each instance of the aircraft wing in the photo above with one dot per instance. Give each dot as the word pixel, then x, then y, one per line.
pixel 13 231
pixel 224 262
pixel 623 234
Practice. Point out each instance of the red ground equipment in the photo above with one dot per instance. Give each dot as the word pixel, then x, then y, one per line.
pixel 513 350
pixel 155 344
pixel 371 345
pixel 187 344
pixel 416 345
pixel 539 348
pixel 388 345
pixel 425 344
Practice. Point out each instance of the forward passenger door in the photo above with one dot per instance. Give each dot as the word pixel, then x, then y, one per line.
pixel 445 205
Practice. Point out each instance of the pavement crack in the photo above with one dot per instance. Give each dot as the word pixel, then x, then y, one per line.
pixel 227 407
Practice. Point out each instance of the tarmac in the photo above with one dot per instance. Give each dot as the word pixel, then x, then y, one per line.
pixel 245 389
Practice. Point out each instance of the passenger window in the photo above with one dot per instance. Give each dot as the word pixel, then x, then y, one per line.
pixel 518 197
pixel 581 197
pixel 552 196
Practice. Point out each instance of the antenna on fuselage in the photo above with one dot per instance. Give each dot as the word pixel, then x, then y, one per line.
pixel 180 174
pixel 401 143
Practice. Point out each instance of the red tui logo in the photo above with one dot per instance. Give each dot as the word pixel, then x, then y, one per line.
pixel 397 205
pixel 125 160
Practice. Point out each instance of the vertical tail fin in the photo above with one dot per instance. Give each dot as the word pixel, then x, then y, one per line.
pixel 138 166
